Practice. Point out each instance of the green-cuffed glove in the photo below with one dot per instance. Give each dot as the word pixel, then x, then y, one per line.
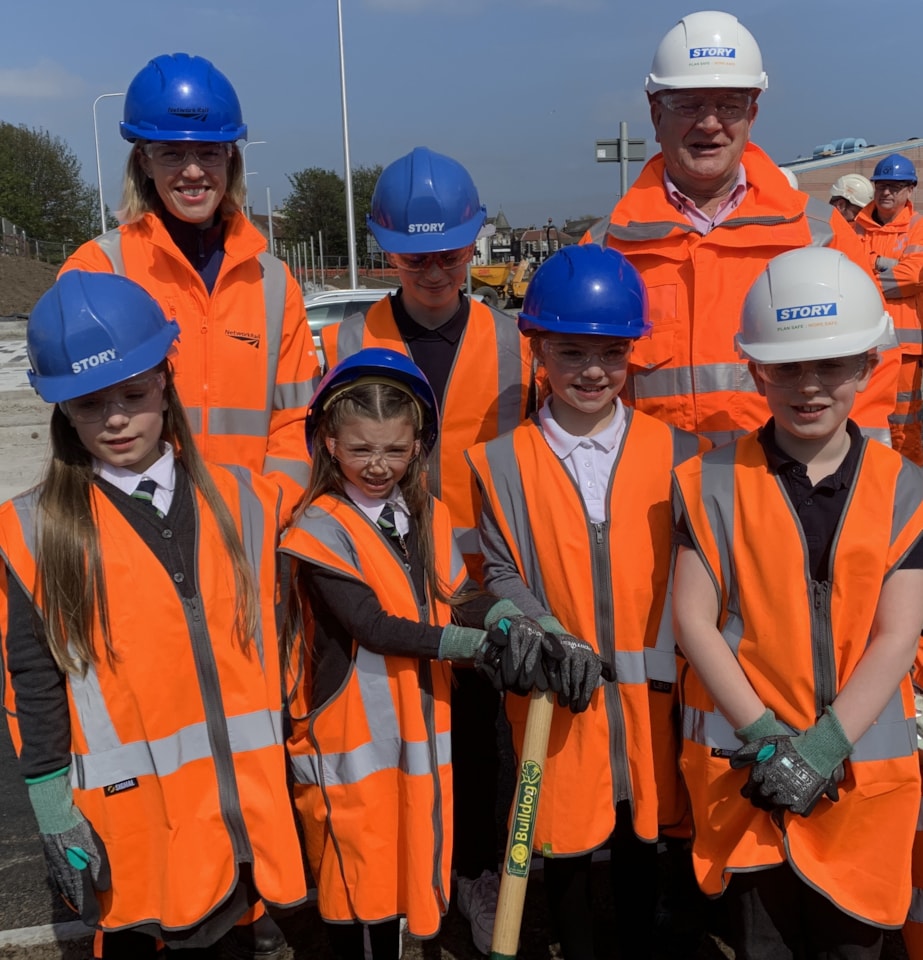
pixel 766 725
pixel 574 669
pixel 527 645
pixel 75 855
pixel 794 772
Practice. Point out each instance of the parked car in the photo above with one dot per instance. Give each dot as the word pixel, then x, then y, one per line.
pixel 331 306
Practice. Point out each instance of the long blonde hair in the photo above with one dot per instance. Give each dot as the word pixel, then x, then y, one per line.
pixel 139 195
pixel 70 583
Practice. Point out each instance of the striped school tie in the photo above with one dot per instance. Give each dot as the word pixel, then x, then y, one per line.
pixel 145 493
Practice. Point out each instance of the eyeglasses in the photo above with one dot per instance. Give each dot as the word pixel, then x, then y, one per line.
pixel 731 106
pixel 205 155
pixel 363 456
pixel 446 260
pixel 574 357
pixel 134 396
pixel 894 186
pixel 828 373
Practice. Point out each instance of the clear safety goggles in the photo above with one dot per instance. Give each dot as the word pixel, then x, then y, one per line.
pixel 361 455
pixel 828 373
pixel 573 356
pixel 131 397
pixel 693 106
pixel 179 155
pixel 445 260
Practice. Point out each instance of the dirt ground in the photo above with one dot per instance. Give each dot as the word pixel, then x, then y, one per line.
pixel 22 282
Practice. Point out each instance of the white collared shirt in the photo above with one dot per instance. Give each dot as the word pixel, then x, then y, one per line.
pixel 590 460
pixel 163 473
pixel 372 506
pixel 702 222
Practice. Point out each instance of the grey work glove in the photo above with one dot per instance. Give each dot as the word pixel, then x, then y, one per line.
pixel 75 855
pixel 576 675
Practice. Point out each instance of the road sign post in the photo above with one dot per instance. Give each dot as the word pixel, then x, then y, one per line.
pixel 621 151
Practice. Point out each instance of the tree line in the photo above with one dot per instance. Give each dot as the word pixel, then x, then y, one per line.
pixel 43 193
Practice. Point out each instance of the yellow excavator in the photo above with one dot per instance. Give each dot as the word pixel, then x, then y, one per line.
pixel 502 285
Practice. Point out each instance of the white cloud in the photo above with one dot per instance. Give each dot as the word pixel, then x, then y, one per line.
pixel 46 80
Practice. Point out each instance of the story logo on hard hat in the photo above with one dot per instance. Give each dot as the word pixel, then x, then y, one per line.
pixel 425 227
pixel 701 53
pixel 189 113
pixel 94 360
pixel 807 311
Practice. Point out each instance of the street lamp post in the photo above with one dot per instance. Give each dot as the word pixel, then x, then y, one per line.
pixel 350 207
pixel 99 170
pixel 548 230
pixel 243 154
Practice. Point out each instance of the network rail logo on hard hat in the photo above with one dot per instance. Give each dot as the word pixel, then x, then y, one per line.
pixel 700 53
pixel 190 113
pixel 807 311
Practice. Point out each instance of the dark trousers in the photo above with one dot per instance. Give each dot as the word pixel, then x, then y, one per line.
pixel 774 915
pixel 347 940
pixel 633 874
pixel 475 769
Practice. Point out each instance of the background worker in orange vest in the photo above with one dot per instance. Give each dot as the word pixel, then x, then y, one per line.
pixel 426 214
pixel 849 194
pixel 391 607
pixel 246 364
pixel 701 221
pixel 576 531
pixel 798 599
pixel 892 234
pixel 141 643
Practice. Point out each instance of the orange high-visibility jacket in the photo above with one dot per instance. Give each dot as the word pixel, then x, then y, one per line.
pixel 178 757
pixel 245 365
pixel 688 372
pixel 485 396
pixel 372 765
pixel 606 583
pixel 902 285
pixel 798 641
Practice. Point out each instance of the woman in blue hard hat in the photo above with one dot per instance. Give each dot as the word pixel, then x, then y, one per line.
pixel 426 214
pixel 576 529
pixel 391 609
pixel 141 643
pixel 246 364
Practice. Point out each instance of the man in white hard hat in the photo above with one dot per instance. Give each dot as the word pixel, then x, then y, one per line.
pixel 700 223
pixel 850 193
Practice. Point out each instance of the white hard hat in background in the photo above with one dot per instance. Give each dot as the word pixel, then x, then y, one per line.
pixel 812 304
pixel 853 187
pixel 792 179
pixel 707 49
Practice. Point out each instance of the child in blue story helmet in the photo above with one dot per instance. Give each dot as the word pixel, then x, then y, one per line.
pixel 391 610
pixel 576 532
pixel 426 215
pixel 797 600
pixel 141 643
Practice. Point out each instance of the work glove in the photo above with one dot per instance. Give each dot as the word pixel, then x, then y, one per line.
pixel 574 669
pixel 75 855
pixel 527 645
pixel 794 772
pixel 509 664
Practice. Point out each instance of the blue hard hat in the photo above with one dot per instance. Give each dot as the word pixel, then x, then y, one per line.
pixel 378 364
pixel 895 167
pixel 586 290
pixel 425 203
pixel 179 97
pixel 91 331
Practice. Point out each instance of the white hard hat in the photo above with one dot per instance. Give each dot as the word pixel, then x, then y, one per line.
pixel 853 187
pixel 812 304
pixel 792 179
pixel 707 49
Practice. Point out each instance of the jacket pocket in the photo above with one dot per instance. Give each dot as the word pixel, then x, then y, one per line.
pixel 657 348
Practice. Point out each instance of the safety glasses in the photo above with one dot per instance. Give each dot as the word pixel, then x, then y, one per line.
pixel 572 356
pixel 445 260
pixel 176 156
pixel 828 373
pixel 692 106
pixel 131 397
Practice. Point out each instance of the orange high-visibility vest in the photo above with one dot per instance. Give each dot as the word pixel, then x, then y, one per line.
pixel 245 364
pixel 798 641
pixel 372 765
pixel 606 583
pixel 485 396
pixel 688 372
pixel 178 759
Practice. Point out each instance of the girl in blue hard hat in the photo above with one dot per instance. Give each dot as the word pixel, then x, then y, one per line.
pixel 388 607
pixel 576 532
pixel 245 366
pixel 141 643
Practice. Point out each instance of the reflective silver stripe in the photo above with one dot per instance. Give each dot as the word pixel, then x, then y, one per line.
pixel 909 334
pixel 881 434
pixel 720 437
pixel 167 755
pixel 685 445
pixel 111 245
pixel 237 422
pixel 886 740
pixel 194 416
pixel 684 381
pixel 820 223
pixel 332 534
pixel 709 729
pixel 509 370
pixel 630 666
pixel 901 419
pixel 598 232
pixel 920 816
pixel 915 914
pixel 467 539
pixel 652 230
pixel 718 492
pixel 98 728
pixel 350 333
pixel 659 662
pixel 456 561
pixel 287 396
pixel 296 470
pixel 906 499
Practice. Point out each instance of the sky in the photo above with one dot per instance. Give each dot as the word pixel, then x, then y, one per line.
pixel 519 91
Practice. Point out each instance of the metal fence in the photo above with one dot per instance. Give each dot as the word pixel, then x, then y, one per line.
pixel 15 242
